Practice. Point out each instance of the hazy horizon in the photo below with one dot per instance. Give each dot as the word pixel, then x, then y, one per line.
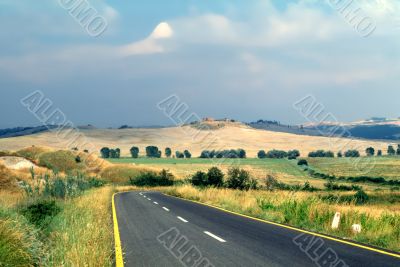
pixel 245 61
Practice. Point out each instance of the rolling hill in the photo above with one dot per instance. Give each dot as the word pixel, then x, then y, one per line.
pixel 206 135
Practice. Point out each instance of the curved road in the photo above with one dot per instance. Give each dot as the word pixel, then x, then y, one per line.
pixel 159 230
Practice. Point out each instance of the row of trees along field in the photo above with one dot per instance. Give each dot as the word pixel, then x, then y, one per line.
pixel 151 152
pixel 155 152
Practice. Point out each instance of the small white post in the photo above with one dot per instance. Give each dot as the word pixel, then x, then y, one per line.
pixel 356 228
pixel 336 221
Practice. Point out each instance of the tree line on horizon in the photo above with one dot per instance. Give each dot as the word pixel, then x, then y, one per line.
pixel 155 152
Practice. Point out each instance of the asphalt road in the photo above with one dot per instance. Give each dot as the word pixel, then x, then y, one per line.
pixel 158 230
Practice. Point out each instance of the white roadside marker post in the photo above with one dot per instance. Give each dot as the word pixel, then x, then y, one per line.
pixel 336 221
pixel 356 228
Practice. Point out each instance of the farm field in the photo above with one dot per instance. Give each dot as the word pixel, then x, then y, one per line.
pixel 285 170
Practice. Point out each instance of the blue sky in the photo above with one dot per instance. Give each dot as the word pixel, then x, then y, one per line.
pixel 239 59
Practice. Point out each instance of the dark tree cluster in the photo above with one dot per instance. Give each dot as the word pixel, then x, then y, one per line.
pixel 278 154
pixel 229 153
pixel 110 153
pixel 236 179
pixel 153 152
pixel 321 154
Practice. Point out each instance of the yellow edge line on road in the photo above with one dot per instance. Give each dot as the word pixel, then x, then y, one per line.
pixel 119 262
pixel 294 228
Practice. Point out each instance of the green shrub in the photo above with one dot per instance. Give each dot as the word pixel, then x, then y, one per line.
pixel 20 244
pixel 240 179
pixel 261 154
pixel 276 154
pixel 41 213
pixel 215 177
pixel 302 162
pixel 153 152
pixel 199 179
pixel 163 178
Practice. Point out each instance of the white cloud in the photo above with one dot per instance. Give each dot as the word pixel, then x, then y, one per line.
pixel 151 44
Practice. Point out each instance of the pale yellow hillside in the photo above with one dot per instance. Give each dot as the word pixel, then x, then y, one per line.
pixel 188 137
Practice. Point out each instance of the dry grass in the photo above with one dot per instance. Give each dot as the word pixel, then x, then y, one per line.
pixel 122 172
pixel 180 138
pixel 82 234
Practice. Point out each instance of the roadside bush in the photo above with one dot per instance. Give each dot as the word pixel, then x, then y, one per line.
pixel 271 182
pixel 240 179
pixel 20 244
pixel 163 178
pixel 199 179
pixel 361 197
pixel 41 213
pixel 215 177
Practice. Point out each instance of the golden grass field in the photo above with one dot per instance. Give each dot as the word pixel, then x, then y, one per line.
pixel 230 136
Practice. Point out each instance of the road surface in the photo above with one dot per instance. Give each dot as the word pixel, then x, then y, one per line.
pixel 159 230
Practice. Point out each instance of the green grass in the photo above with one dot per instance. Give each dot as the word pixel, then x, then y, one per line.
pixel 386 167
pixel 275 165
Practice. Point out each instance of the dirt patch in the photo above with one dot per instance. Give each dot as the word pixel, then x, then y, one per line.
pixel 16 163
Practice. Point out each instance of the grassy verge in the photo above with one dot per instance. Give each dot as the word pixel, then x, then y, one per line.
pixel 57 222
pixel 81 235
pixel 380 226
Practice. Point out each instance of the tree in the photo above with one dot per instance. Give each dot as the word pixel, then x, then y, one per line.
pixel 240 179
pixel 113 154
pixel 339 154
pixel 153 152
pixel 321 154
pixel 261 154
pixel 199 179
pixel 134 152
pixel 398 150
pixel 205 154
pixel 276 154
pixel 241 153
pixel 379 154
pixel 391 151
pixel 370 151
pixel 105 152
pixel 179 155
pixel 187 154
pixel 215 177
pixel 293 154
pixel 117 153
pixel 352 153
pixel 168 152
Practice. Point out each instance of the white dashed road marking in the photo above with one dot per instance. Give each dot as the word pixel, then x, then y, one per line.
pixel 214 236
pixel 165 208
pixel 183 220
pixel 155 203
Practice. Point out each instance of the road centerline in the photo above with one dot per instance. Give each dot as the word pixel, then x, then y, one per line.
pixel 215 237
pixel 165 208
pixel 182 219
pixel 155 203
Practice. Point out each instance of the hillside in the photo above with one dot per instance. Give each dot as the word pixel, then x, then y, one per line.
pixel 230 135
pixel 374 129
